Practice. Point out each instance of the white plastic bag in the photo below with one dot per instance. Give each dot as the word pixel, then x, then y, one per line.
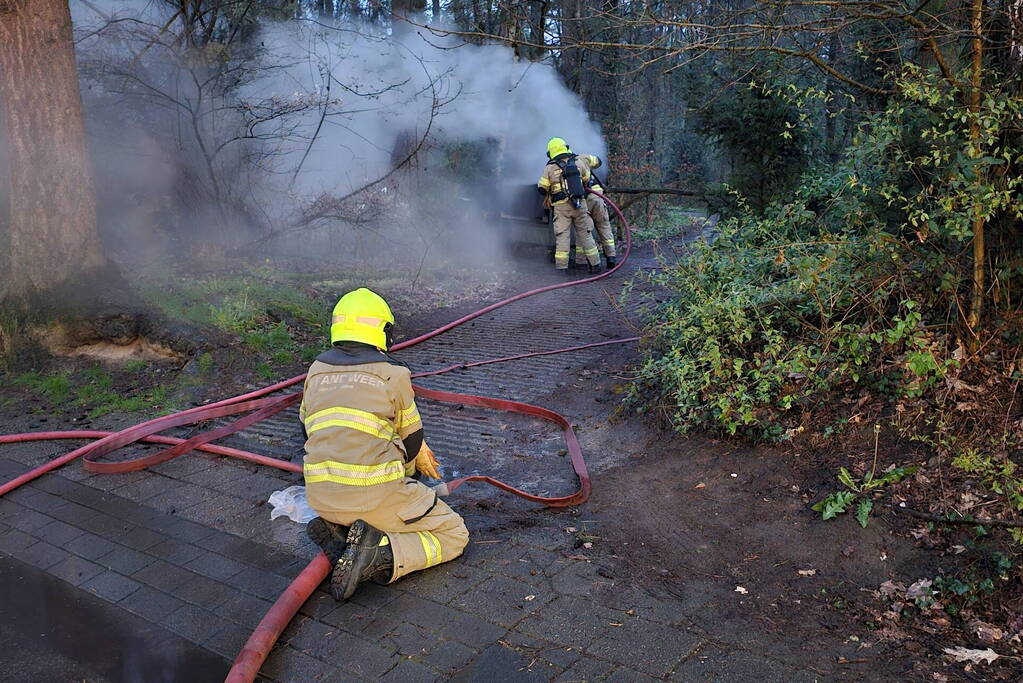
pixel 291 503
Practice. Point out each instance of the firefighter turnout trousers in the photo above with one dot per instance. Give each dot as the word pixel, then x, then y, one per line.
pixel 602 222
pixel 422 530
pixel 566 217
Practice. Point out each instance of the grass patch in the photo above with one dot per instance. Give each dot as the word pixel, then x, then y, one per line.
pixel 92 389
pixel 264 371
pixel 271 316
pixel 135 366
pixel 276 338
pixel 236 304
pixel 205 363
pixel 669 222
pixel 54 388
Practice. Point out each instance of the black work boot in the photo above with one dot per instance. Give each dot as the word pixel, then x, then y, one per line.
pixel 611 262
pixel 329 536
pixel 594 269
pixel 364 559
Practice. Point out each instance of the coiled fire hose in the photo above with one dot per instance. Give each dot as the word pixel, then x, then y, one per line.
pixel 253 654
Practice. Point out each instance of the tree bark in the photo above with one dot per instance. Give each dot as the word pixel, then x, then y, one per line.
pixel 977 298
pixel 52 212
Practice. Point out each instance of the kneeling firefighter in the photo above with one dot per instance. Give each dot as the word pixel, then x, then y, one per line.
pixel 564 181
pixel 364 442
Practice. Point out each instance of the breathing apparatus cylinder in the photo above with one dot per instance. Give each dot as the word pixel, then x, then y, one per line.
pixel 573 180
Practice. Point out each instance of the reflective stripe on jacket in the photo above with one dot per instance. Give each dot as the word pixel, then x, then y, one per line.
pixel 355 417
pixel 551 179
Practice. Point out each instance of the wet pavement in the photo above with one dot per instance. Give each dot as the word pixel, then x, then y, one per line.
pixel 188 547
pixel 52 631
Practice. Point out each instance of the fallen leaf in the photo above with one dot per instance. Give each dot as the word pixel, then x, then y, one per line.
pixel 890 589
pixel 570 530
pixel 701 485
pixel 957 385
pixel 616 623
pixel 587 545
pixel 807 572
pixel 963 654
pixel 988 633
pixel 529 598
pixel 920 589
pixel 740 589
pixel 734 474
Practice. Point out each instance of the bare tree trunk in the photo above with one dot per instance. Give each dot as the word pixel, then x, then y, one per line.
pixel 977 298
pixel 1014 10
pixel 52 211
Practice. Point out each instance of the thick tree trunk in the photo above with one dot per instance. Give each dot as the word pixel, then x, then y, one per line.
pixel 53 238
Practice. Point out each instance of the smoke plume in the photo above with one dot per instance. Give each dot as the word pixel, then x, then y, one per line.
pixel 303 130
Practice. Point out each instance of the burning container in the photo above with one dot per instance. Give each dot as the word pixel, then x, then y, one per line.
pixel 521 217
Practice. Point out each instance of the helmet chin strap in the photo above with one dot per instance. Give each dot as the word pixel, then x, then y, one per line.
pixel 389 335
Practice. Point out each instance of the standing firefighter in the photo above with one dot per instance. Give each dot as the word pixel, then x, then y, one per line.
pixel 364 440
pixel 564 182
pixel 598 212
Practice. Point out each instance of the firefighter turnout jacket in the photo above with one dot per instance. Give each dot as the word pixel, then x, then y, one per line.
pixel 551 180
pixel 357 410
pixel 363 434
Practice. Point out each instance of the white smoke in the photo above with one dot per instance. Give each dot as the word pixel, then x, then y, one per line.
pixel 387 85
pixel 307 111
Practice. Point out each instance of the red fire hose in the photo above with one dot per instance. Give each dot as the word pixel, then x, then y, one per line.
pixel 250 659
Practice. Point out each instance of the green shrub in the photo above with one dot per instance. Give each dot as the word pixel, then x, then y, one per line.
pixel 855 280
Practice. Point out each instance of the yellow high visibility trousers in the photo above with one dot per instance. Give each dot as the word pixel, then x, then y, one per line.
pixel 565 218
pixel 422 529
pixel 602 222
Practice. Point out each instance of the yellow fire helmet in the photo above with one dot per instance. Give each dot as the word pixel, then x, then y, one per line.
pixel 556 146
pixel 361 316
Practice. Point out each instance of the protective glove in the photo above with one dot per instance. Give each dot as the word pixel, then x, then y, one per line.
pixel 426 462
